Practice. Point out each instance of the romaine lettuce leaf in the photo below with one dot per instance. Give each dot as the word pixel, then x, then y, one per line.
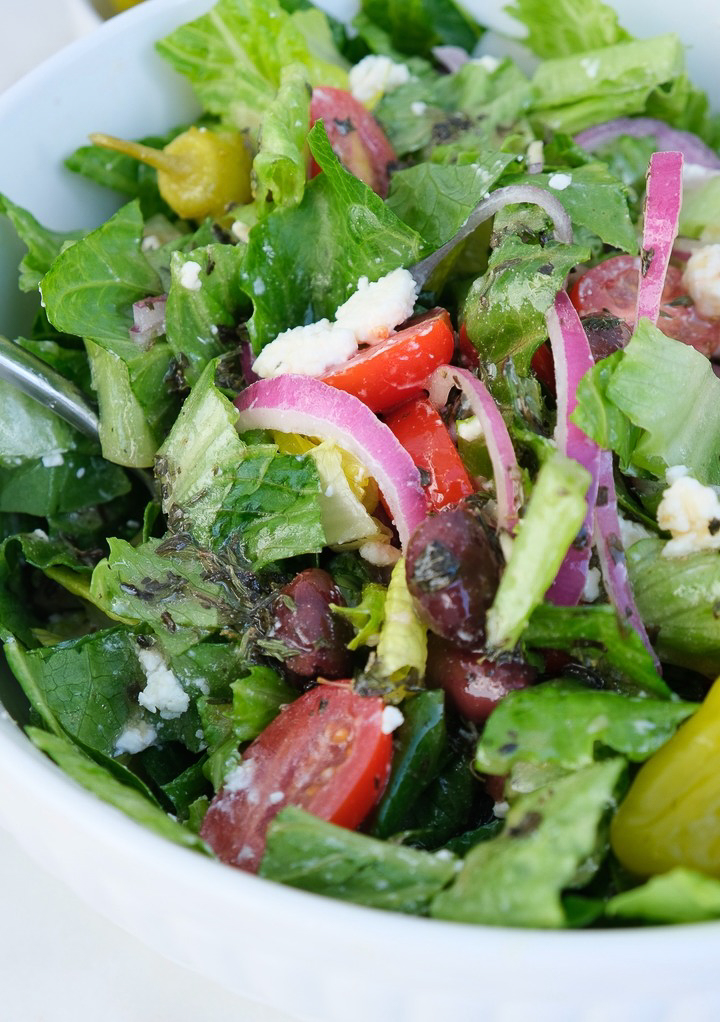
pixel 308 853
pixel 234 56
pixel 415 26
pixel 562 723
pixel 302 263
pixel 574 92
pixel 553 839
pixel 678 896
pixel 366 617
pixel 402 647
pixel 566 27
pixel 677 598
pixel 30 431
pixel 43 245
pixel 280 167
pixel 78 481
pixel 680 425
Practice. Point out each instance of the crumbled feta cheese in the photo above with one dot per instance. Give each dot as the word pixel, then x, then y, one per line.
pixel 702 279
pixel 488 62
pixel 591 589
pixel 80 473
pixel 150 243
pixel 418 107
pixel 136 737
pixel 163 693
pixel 241 231
pixel 559 182
pixel 373 312
pixel 500 810
pixel 375 75
pixel 240 777
pixel 306 350
pixel 691 513
pixel 190 275
pixel 392 718
pixel 53 459
pixel 39 533
pixel 632 532
pixel 275 797
pixel 469 429
pixel 381 555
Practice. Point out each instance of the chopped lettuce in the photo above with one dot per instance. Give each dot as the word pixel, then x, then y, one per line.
pixel 700 211
pixel 552 520
pixel 308 853
pixel 677 598
pixel 257 698
pixel 553 840
pixel 280 167
pixel 43 245
pixel 234 56
pixel 566 27
pixel 563 723
pixel 402 647
pixel 366 617
pixel 415 26
pixel 680 425
pixel 296 276
pixel 678 896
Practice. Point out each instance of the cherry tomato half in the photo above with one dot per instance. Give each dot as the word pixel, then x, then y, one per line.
pixel 395 370
pixel 357 139
pixel 613 285
pixel 422 433
pixel 326 752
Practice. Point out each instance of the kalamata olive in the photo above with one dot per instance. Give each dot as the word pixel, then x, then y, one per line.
pixel 606 334
pixel 453 571
pixel 304 622
pixel 475 683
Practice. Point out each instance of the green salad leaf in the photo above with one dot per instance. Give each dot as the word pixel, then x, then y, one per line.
pixel 678 896
pixel 568 26
pixel 308 853
pixel 280 167
pixel 563 723
pixel 552 840
pixel 43 245
pixel 415 26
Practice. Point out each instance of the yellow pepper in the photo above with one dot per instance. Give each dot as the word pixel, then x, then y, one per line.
pixel 199 173
pixel 671 815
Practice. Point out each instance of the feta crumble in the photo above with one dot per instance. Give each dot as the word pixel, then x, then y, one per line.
pixel 163 693
pixel 240 777
pixel 374 310
pixel 702 279
pixel 53 459
pixel 374 75
pixel 379 554
pixel 392 718
pixel 306 350
pixel 591 589
pixel 241 231
pixel 632 532
pixel 136 737
pixel 190 275
pixel 559 182
pixel 418 107
pixel 489 62
pixel 690 512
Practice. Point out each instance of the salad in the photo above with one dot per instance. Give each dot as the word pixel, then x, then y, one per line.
pixel 392 573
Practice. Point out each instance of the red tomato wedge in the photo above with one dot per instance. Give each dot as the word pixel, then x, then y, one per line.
pixel 357 139
pixel 396 369
pixel 613 285
pixel 326 752
pixel 422 433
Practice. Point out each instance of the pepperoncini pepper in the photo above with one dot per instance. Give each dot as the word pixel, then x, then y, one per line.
pixel 199 173
pixel 671 815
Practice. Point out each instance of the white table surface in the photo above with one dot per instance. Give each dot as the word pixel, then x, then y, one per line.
pixel 59 960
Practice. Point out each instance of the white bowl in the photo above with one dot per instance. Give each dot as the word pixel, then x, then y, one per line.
pixel 311 957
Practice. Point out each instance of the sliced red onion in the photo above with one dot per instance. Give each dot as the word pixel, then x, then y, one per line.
pixel 148 320
pixel 486 209
pixel 452 58
pixel 508 490
pixel 572 358
pixel 668 139
pixel 611 553
pixel 247 358
pixel 662 213
pixel 301 404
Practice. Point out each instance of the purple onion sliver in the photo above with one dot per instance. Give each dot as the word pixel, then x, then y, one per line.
pixel 611 553
pixel 497 439
pixel 573 358
pixel 301 404
pixel 148 320
pixel 452 58
pixel 662 214
pixel 668 139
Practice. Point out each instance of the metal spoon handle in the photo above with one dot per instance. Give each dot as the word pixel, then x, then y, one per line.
pixel 36 379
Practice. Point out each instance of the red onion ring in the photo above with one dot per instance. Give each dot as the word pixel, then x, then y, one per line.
pixel 669 139
pixel 301 404
pixel 662 214
pixel 148 320
pixel 508 492
pixel 572 358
